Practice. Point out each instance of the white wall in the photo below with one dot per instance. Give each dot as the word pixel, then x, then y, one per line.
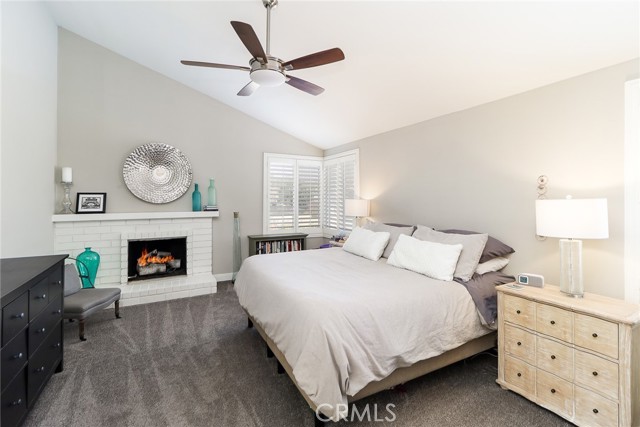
pixel 477 169
pixel 28 136
pixel 109 105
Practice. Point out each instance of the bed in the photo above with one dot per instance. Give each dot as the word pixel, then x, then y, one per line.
pixel 344 327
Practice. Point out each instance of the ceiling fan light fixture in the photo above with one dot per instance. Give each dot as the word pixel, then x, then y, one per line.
pixel 268 77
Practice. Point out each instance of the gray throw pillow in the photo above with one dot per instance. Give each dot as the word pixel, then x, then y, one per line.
pixel 394 231
pixel 494 247
pixel 71 280
pixel 472 247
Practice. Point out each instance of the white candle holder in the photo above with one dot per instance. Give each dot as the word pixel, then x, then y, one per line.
pixel 66 201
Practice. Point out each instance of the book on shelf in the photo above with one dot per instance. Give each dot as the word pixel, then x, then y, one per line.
pixel 209 208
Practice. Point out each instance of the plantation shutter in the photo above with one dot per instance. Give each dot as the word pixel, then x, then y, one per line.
pixel 309 195
pixel 340 183
pixel 280 194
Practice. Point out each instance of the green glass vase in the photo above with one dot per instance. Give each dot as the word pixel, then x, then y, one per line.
pixel 196 199
pixel 212 197
pixel 88 263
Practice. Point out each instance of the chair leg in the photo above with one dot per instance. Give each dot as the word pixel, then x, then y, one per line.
pixel 118 309
pixel 82 338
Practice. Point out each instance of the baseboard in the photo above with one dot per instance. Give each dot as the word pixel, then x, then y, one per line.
pixel 223 277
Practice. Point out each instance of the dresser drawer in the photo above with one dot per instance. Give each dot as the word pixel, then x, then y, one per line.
pixel 14 401
pixel 554 393
pixel 593 410
pixel 41 327
pixel 15 317
pixel 520 343
pixel 554 357
pixel 554 322
pixel 13 357
pixel 56 287
pixel 38 298
pixel 597 373
pixel 520 374
pixel 596 334
pixel 43 361
pixel 520 311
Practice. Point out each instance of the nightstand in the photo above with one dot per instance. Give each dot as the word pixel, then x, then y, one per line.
pixel 579 358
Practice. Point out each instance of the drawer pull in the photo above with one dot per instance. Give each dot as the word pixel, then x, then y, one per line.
pixel 595 411
pixel 58 311
pixel 40 369
pixel 594 335
pixel 519 374
pixel 18 316
pixel 43 296
pixel 56 345
pixel 517 311
pixel 595 374
pixel 553 322
pixel 553 390
pixel 59 282
pixel 519 343
pixel 40 331
pixel 17 356
pixel 16 402
pixel 553 357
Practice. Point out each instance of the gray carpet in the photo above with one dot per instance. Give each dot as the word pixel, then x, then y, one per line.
pixel 193 362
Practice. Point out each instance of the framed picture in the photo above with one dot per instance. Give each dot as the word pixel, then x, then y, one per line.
pixel 88 203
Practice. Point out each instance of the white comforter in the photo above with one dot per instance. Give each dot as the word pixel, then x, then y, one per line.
pixel 343 321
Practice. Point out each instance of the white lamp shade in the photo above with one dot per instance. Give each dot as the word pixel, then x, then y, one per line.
pixel 356 207
pixel 572 218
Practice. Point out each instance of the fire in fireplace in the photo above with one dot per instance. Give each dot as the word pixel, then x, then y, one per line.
pixel 150 259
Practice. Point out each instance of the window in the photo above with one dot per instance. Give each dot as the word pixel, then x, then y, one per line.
pixel 340 183
pixel 292 194
pixel 306 194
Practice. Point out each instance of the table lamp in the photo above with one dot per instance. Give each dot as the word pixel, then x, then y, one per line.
pixel 570 220
pixel 357 208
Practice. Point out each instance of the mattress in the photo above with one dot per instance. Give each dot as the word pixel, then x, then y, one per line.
pixel 343 321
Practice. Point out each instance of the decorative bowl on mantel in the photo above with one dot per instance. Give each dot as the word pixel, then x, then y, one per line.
pixel 157 173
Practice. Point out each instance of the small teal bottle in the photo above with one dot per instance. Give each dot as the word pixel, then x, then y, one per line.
pixel 196 198
pixel 88 263
pixel 212 197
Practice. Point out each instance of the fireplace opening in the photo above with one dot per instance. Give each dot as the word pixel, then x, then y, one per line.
pixel 154 258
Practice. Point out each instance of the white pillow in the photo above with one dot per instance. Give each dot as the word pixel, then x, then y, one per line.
pixel 432 259
pixel 494 264
pixel 473 244
pixel 366 243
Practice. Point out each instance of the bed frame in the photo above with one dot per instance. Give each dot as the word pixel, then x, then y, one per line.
pixel 399 376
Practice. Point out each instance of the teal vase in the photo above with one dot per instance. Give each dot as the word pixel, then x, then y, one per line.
pixel 88 263
pixel 212 197
pixel 196 198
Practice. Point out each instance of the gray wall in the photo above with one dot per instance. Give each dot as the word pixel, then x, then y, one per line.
pixel 109 105
pixel 477 169
pixel 28 150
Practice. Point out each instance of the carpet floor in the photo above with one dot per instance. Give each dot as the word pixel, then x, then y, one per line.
pixel 193 362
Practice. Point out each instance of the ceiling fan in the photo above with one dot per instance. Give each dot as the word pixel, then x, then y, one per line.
pixel 267 70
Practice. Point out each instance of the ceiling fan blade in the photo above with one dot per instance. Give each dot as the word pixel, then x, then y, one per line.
pixel 212 65
pixel 248 89
pixel 250 40
pixel 315 59
pixel 304 85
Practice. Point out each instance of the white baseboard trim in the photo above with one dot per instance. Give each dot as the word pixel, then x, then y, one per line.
pixel 222 277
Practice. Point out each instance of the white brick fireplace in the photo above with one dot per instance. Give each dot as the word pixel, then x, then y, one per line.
pixel 109 234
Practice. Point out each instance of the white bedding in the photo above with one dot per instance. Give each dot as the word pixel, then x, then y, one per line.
pixel 342 321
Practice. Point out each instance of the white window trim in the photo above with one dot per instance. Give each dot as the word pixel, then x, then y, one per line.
pixel 632 191
pixel 322 232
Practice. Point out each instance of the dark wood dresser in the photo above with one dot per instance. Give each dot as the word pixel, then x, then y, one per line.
pixel 32 347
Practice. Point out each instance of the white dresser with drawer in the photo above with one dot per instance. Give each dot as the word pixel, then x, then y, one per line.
pixel 578 357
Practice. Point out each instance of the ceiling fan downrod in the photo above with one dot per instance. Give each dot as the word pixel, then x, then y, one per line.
pixel 269 4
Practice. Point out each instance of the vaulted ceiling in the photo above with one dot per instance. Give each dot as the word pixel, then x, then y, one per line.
pixel 406 62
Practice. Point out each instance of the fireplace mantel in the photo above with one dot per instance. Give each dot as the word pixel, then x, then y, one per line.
pixel 132 216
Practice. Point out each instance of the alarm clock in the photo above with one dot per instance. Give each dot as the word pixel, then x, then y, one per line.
pixel 528 279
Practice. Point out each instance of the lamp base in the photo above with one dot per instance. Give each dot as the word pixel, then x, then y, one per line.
pixel 571 282
pixel 66 201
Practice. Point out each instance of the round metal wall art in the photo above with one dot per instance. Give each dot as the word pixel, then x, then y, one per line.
pixel 157 173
